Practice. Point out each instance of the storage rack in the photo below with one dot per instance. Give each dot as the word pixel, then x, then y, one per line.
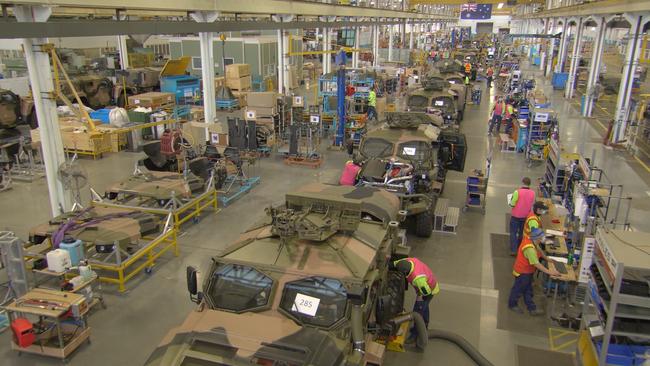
pixel 619 256
pixel 555 175
pixel 538 129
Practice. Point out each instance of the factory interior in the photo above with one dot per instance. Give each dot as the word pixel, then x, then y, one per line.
pixel 325 183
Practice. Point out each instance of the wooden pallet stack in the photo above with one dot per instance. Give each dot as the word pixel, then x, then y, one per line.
pixel 265 105
pixel 239 80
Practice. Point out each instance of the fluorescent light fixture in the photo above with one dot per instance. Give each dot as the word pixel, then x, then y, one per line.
pixel 500 6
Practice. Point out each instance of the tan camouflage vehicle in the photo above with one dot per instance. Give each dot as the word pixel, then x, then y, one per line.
pixel 410 156
pixel 307 285
pixel 432 101
pixel 100 228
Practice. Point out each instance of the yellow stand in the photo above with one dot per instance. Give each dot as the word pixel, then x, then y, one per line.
pixel 396 343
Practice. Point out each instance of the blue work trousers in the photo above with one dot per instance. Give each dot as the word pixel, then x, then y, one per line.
pixel 372 113
pixel 421 307
pixel 523 286
pixel 516 233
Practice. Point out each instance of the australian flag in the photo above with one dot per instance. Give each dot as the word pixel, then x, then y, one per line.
pixel 476 11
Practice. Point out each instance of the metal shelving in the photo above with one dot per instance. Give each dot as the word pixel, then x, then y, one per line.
pixel 618 255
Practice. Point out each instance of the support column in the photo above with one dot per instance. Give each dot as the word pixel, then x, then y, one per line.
pixel 357 45
pixel 551 51
pixel 40 77
pixel 564 41
pixel 375 45
pixel 206 43
pixel 327 58
pixel 411 35
pixel 625 90
pixel 575 58
pixel 280 58
pixel 390 43
pixel 594 66
pixel 286 62
pixel 123 52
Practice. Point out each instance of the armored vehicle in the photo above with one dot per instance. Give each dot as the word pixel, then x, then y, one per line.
pixel 135 81
pixel 444 101
pixel 411 157
pixel 307 285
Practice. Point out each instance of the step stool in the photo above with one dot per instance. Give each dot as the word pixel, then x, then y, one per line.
pixel 442 204
pixel 451 220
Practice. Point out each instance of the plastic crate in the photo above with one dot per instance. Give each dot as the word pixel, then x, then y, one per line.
pixel 101 115
pixel 140 117
pixel 559 80
pixel 618 354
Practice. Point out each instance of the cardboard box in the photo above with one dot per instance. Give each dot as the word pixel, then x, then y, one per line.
pixel 218 134
pixel 237 71
pixel 263 111
pixel 197 131
pixel 262 99
pixel 152 99
pixel 243 83
pixel 197 114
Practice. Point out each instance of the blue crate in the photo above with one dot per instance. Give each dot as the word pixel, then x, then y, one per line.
pixel 101 115
pixel 559 80
pixel 186 88
pixel 618 354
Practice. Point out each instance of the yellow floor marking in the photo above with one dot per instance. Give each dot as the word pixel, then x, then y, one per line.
pixel 647 168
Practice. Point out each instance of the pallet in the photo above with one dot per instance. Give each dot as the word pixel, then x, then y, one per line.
pixel 227 197
pixel 229 104
pixel 304 161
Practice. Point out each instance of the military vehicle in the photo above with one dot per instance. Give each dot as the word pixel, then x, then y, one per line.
pixel 444 101
pixel 410 156
pixel 307 285
pixel 135 81
pixel 102 229
pixel 12 130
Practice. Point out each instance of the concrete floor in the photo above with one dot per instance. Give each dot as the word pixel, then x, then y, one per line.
pixel 132 325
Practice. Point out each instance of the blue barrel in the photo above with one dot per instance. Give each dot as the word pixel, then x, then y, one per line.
pixel 75 248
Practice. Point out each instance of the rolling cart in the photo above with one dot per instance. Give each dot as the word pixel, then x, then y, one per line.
pixel 476 188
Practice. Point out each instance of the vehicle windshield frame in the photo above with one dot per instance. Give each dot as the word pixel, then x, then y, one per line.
pixel 303 319
pixel 212 282
pixel 428 156
pixel 387 153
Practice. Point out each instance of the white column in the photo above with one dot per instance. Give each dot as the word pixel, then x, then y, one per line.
pixel 206 43
pixel 40 77
pixel 357 45
pixel 123 52
pixel 564 42
pixel 594 66
pixel 375 45
pixel 411 35
pixel 280 62
pixel 326 47
pixel 625 90
pixel 286 62
pixel 551 50
pixel 390 43
pixel 575 57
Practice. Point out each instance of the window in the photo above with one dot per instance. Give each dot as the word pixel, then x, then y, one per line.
pixel 376 148
pixel 414 150
pixel 237 288
pixel 196 63
pixel 317 301
pixel 228 61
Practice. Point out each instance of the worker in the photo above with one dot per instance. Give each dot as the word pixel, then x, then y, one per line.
pixel 497 115
pixel 468 68
pixel 350 173
pixel 420 276
pixel 527 261
pixel 490 75
pixel 522 201
pixel 533 220
pixel 372 104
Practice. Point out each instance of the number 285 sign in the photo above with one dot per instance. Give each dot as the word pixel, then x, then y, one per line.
pixel 305 304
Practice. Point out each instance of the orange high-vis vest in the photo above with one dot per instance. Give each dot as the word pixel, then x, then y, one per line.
pixel 468 67
pixel 531 217
pixel 522 266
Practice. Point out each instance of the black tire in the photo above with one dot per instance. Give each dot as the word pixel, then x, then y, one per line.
pixel 423 225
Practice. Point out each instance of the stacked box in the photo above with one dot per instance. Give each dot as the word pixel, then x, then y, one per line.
pixel 238 77
pixel 219 81
pixel 152 100
pixel 263 103
pixel 242 97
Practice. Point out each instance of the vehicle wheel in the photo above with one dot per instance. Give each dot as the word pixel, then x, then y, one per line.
pixel 423 225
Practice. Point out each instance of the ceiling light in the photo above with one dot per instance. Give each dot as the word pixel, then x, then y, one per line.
pixel 500 6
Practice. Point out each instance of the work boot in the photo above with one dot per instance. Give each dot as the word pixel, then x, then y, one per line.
pixel 536 312
pixel 516 309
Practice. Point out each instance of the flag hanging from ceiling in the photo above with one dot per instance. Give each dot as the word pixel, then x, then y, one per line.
pixel 476 11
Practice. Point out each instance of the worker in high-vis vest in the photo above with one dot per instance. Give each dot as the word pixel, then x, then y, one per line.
pixel 372 104
pixel 420 276
pixel 522 201
pixel 526 263
pixel 468 68
pixel 533 220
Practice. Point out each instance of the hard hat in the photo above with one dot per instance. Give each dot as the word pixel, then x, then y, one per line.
pixel 403 266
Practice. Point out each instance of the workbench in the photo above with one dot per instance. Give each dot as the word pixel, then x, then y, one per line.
pixel 553 221
pixel 92 283
pixel 63 316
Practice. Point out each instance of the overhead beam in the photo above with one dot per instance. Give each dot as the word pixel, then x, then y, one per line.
pixel 604 7
pixel 231 6
pixel 87 28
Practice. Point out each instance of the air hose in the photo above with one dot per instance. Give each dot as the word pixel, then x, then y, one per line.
pixel 462 343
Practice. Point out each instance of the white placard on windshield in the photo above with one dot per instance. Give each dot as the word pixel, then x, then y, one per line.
pixel 440 103
pixel 408 151
pixel 305 304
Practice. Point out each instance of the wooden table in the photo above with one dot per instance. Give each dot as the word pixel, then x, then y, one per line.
pixel 569 278
pixel 549 224
pixel 93 283
pixel 54 316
